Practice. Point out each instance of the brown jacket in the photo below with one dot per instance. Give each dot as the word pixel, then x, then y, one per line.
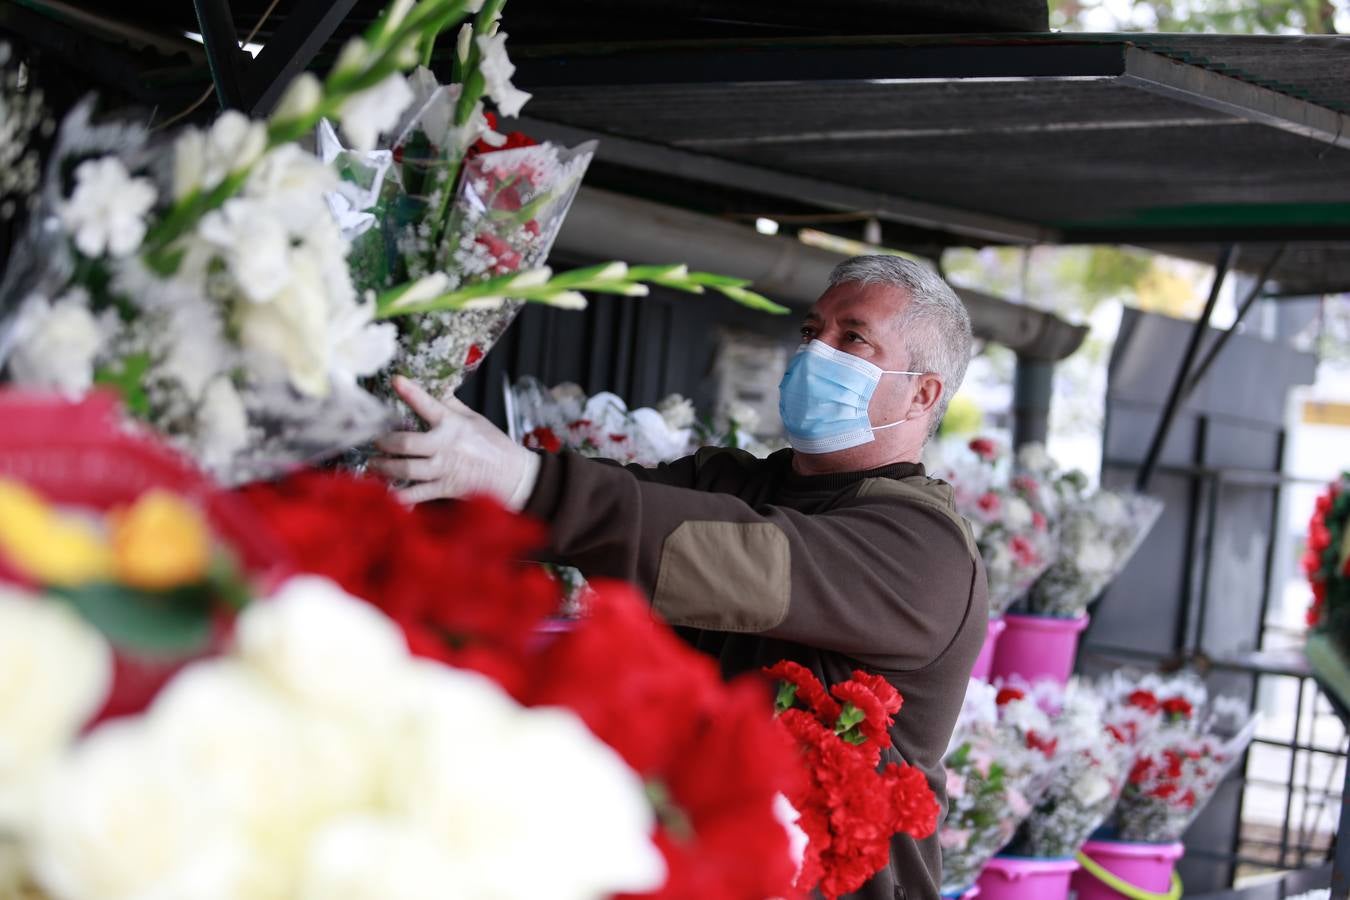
pixel 755 563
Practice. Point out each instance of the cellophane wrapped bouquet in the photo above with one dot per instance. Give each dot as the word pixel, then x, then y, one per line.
pixel 848 805
pixel 381 722
pixel 1194 741
pixel 1325 564
pixel 1015 539
pixel 1001 756
pixel 1098 532
pixel 1095 748
pixel 210 276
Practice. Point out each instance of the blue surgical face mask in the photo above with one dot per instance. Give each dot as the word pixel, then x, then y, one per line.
pixel 823 399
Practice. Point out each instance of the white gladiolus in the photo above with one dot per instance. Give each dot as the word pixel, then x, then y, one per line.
pixel 106 211
pixel 426 288
pixel 234 143
pixel 292 327
pixel 497 70
pixel 568 300
pixel 678 411
pixel 360 346
pixel 59 344
pixel 290 185
pixel 301 99
pixel 367 114
pixel 255 245
pixel 189 162
pixel 55 671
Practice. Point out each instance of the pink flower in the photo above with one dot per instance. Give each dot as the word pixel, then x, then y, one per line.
pixel 1018 805
pixel 956 784
pixel 953 837
pixel 988 503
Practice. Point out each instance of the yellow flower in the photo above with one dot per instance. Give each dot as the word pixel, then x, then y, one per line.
pixel 161 542
pixel 49 548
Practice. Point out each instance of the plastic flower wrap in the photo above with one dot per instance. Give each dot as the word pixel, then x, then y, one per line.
pixel 1098 532
pixel 1195 741
pixel 1000 757
pixel 1095 749
pixel 602 425
pixel 1015 539
pixel 848 809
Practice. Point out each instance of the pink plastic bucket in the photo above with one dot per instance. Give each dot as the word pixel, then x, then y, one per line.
pixel 986 657
pixel 1037 647
pixel 1025 878
pixel 1147 868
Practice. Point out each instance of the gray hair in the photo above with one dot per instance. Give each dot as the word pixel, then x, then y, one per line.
pixel 935 323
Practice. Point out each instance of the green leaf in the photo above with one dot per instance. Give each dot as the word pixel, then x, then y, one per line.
pixel 848 718
pixel 168 624
pixel 751 299
pixel 787 695
pixel 126 376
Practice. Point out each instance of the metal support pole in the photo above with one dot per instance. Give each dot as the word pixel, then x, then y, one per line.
pixel 1187 360
pixel 1247 303
pixel 222 51
pixel 1033 384
pixel 1340 872
pixel 290 50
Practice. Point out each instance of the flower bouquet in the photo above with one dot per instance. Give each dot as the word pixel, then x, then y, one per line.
pixel 1194 743
pixel 1000 757
pixel 1326 565
pixel 210 277
pixel 1015 539
pixel 424 734
pixel 848 810
pixel 1095 747
pixel 1098 533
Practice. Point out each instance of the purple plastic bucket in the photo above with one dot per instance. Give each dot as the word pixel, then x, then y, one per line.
pixel 986 657
pixel 1146 867
pixel 1037 647
pixel 1026 878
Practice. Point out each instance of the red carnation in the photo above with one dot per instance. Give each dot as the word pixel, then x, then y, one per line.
pixel 1145 700
pixel 885 691
pixel 875 720
pixel 988 503
pixel 514 140
pixel 1038 521
pixel 543 438
pixel 1047 746
pixel 985 448
pixel 1178 707
pixel 473 357
pixel 1009 694
pixel 1023 551
pixel 809 689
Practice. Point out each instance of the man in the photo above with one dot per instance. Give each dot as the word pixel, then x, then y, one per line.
pixel 839 553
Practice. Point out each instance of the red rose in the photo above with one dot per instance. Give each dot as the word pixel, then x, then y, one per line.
pixel 1145 700
pixel 473 357
pixel 514 140
pixel 1024 551
pixel 988 503
pixel 1009 694
pixel 1046 746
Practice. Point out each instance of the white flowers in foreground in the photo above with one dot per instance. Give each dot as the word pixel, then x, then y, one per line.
pixel 107 209
pixel 367 114
pixel 323 761
pixel 54 673
pixel 57 346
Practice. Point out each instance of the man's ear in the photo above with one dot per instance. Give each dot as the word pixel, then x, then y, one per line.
pixel 927 394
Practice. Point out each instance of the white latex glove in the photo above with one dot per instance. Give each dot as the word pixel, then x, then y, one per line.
pixel 462 454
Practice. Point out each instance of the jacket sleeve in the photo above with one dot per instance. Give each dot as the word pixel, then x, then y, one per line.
pixel 883 579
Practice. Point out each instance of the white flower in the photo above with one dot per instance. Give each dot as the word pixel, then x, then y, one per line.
pixel 1094 558
pixel 255 245
pixel 1016 514
pixel 290 183
pixel 117 822
pixel 302 98
pixel 292 327
pixel 189 162
pixel 426 288
pixel 57 345
pixel 234 143
pixel 677 411
pixel 222 423
pixel 495 783
pixel 376 858
pixel 107 209
pixel 366 114
pixel 497 70
pixel 323 647
pixel 1034 458
pixel 787 816
pixel 55 671
pixel 360 346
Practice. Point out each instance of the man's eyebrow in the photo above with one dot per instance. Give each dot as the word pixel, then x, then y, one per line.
pixel 856 323
pixel 812 316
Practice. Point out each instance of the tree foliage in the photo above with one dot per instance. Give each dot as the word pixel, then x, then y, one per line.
pixel 1213 16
